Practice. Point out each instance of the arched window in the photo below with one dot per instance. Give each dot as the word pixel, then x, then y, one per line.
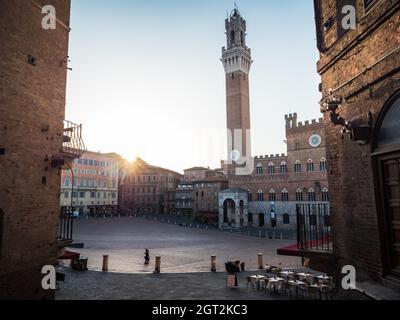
pixel 322 165
pixel 260 195
pixel 299 195
pixel 241 38
pixel 310 166
pixel 297 166
pixel 325 194
pixel 259 169
pixel 311 195
pixel 67 181
pixel 388 133
pixel 272 195
pixel 271 168
pixel 283 167
pixel 249 196
pixel 285 195
pixel 297 145
pixel 232 36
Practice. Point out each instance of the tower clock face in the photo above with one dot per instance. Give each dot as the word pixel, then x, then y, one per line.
pixel 234 155
pixel 315 140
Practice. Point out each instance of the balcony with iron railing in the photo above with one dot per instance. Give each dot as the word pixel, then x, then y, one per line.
pixel 72 145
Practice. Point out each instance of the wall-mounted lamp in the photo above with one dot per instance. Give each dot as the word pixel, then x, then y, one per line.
pixel 361 134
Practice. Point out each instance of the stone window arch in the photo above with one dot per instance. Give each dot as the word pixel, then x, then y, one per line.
pixel 260 195
pixel 310 165
pixel 271 168
pixel 283 167
pixel 297 166
pixel 322 165
pixel 272 195
pixel 311 195
pixel 299 195
pixel 325 194
pixel 285 195
pixel 259 168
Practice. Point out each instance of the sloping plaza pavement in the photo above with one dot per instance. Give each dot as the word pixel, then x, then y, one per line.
pixel 185 261
pixel 94 285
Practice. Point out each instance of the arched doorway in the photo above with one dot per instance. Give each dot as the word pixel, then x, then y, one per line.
pixel 386 160
pixel 261 220
pixel 250 219
pixel 229 212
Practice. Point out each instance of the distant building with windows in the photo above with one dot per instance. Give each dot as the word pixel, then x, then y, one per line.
pixel 146 188
pixel 90 185
pixel 280 181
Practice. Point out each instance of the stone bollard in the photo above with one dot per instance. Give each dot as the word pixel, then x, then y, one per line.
pixel 259 234
pixel 213 263
pixel 158 265
pixel 104 216
pixel 105 263
pixel 281 235
pixel 260 261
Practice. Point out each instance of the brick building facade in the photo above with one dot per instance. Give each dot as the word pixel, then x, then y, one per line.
pixel 34 144
pixel 143 187
pixel 90 185
pixel 361 102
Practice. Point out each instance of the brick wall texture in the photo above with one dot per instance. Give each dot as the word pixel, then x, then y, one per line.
pixel 32 104
pixel 355 215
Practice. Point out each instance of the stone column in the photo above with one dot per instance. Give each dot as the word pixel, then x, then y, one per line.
pixel 246 216
pixel 237 216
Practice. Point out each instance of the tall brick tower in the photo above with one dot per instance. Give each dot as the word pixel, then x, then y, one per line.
pixel 236 58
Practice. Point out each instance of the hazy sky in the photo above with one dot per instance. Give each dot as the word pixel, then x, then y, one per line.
pixel 147 80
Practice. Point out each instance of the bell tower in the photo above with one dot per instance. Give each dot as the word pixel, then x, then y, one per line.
pixel 236 59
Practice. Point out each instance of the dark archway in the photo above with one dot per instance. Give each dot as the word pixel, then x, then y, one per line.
pixel 229 211
pixel 386 165
pixel 261 220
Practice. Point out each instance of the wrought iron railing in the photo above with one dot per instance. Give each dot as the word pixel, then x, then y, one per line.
pixel 72 140
pixel 314 226
pixel 66 224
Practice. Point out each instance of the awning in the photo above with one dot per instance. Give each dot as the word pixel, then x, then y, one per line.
pixel 69 255
pixel 291 250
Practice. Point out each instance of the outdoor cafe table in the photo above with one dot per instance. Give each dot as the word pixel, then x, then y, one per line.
pixel 258 279
pixel 272 282
pixel 323 278
pixel 318 287
pixel 297 284
pixel 286 274
pixel 304 275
